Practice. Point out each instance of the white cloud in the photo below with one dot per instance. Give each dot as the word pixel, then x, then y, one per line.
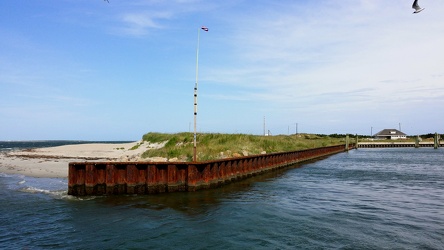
pixel 335 47
pixel 138 24
pixel 141 17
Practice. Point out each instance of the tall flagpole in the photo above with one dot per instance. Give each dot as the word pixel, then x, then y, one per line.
pixel 195 94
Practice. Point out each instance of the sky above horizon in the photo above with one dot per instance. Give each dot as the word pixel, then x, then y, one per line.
pixel 93 70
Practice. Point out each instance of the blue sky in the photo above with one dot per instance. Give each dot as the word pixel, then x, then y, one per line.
pixel 92 70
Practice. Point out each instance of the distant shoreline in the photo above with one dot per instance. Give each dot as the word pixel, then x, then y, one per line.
pixel 22 144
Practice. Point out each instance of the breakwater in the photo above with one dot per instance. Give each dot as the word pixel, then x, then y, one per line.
pixel 112 178
pixel 399 144
pixel 436 143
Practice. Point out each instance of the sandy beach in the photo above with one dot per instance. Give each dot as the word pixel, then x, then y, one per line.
pixel 53 161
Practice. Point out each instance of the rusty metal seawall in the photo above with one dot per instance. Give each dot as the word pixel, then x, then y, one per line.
pixel 112 178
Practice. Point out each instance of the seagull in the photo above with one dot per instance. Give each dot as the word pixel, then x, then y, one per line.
pixel 416 7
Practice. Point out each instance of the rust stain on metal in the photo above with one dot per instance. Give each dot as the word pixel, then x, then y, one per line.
pixel 112 178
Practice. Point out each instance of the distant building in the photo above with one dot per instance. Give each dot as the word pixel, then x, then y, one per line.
pixel 390 134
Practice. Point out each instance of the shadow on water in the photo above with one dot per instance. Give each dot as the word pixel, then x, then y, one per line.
pixel 197 202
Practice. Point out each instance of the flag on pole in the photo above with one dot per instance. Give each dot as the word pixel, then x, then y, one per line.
pixel 204 28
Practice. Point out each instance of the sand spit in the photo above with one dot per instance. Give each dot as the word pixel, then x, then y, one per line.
pixel 53 161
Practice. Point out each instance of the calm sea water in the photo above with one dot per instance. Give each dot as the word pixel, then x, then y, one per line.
pixel 363 199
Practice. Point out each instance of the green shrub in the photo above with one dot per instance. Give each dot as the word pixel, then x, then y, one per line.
pixel 156 137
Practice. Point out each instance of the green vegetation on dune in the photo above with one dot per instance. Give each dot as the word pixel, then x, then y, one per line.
pixel 212 146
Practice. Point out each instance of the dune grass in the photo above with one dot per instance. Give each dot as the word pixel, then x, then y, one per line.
pixel 212 146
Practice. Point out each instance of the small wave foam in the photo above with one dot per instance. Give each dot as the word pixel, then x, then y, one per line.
pixel 35 190
pixel 57 194
pixel 5 175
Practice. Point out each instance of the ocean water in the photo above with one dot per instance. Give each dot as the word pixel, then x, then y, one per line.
pixel 363 199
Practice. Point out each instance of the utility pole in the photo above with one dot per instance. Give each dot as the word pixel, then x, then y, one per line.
pixel 264 125
pixel 195 94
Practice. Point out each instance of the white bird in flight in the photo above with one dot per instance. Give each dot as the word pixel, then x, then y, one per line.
pixel 416 7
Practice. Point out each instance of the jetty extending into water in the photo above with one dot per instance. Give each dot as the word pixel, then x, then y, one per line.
pixel 399 144
pixel 112 178
pixel 436 143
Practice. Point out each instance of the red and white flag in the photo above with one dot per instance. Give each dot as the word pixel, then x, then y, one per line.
pixel 204 28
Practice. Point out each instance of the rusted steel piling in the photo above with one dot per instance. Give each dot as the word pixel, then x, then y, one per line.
pixel 112 178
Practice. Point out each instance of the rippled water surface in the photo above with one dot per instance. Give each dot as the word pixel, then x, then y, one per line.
pixel 363 199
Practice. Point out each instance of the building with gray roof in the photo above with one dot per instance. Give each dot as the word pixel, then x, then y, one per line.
pixel 390 134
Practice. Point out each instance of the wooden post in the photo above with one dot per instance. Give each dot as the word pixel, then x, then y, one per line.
pixel 346 142
pixel 417 141
pixel 356 142
pixel 436 141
